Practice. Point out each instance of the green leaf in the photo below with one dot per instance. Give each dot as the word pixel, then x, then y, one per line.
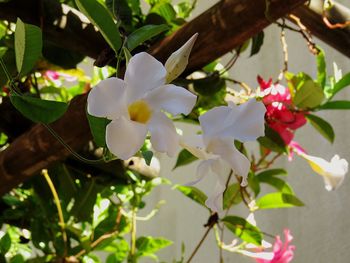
pixel 28 46
pixel 257 42
pixel 254 183
pixel 341 84
pixel 17 259
pixel 277 183
pixel 120 251
pixel 38 110
pixel 147 155
pixel 84 201
pixel 143 34
pixel 3 51
pixel 321 68
pixel 102 19
pixel 165 10
pixel 272 140
pixel 210 85
pixel 98 129
pixel 193 193
pixel 336 105
pixel 147 246
pixel 278 200
pixel 232 196
pixel 309 95
pixel 322 126
pixel 184 158
pixel 271 172
pixel 5 244
pixel 9 59
pixel 121 10
pixel 243 229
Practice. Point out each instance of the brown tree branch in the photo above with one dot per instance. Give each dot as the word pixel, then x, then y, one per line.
pixel 223 27
pixel 312 18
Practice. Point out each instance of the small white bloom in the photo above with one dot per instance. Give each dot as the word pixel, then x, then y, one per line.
pixel 136 104
pixel 333 172
pixel 215 147
pixel 177 62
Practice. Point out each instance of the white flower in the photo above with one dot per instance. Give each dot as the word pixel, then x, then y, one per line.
pixel 178 60
pixel 136 104
pixel 215 147
pixel 333 172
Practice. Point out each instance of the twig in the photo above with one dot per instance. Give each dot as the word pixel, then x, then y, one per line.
pixel 212 221
pixel 59 208
pixel 285 51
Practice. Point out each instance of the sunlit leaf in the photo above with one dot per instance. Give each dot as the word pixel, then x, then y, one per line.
pixel 278 200
pixel 102 19
pixel 243 229
pixel 336 105
pixel 193 193
pixel 321 68
pixel 28 46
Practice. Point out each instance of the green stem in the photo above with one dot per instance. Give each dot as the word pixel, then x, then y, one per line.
pixel 132 258
pixel 58 206
pixel 8 75
pixel 74 153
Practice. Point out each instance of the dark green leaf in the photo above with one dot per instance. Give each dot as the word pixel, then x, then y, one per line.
pixel 102 19
pixel 5 244
pixel 254 183
pixel 17 259
pixel 143 34
pixel 10 62
pixel 321 68
pixel 271 172
pixel 85 200
pixel 98 129
pixel 121 9
pixel 210 85
pixel 336 105
pixel 147 155
pixel 278 200
pixel 341 84
pixel 257 42
pixel 64 58
pixel 322 126
pixel 232 196
pixel 38 110
pixel 243 229
pixel 147 246
pixel 272 140
pixel 193 193
pixel 28 46
pixel 184 157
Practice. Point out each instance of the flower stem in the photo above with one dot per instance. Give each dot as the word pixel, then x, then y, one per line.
pixel 132 253
pixel 58 206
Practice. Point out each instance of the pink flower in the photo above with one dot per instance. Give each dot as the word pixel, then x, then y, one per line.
pixel 283 253
pixel 281 115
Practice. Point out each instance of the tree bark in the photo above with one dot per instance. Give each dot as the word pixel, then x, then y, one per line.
pixel 223 27
pixel 312 18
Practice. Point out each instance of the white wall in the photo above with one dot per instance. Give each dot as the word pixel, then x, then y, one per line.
pixel 321 229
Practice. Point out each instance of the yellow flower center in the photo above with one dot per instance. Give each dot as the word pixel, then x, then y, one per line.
pixel 139 111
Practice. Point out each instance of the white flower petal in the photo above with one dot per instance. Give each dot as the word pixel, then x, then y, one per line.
pixel 228 152
pixel 247 121
pixel 215 200
pixel 203 170
pixel 172 99
pixel 125 137
pixel 195 145
pixel 333 172
pixel 107 99
pixel 164 137
pixel 178 60
pixel 143 74
pixel 215 120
